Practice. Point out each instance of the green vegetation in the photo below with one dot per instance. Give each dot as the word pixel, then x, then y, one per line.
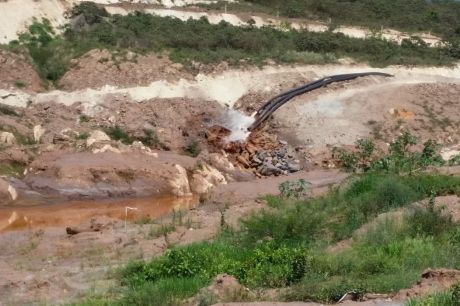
pixel 401 157
pixel 440 17
pixel 84 118
pixel 200 41
pixel 294 189
pixel 13 169
pixel 449 298
pixel 149 138
pixel 82 136
pixel 20 84
pixel 193 148
pixel 287 245
pixel 117 133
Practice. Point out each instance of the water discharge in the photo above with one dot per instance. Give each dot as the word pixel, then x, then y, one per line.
pixel 238 123
pixel 76 212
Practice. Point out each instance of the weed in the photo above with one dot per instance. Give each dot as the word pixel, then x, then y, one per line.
pixel 84 118
pixel 400 157
pixel 117 133
pixel 82 136
pixel 20 84
pixel 193 148
pixel 13 169
pixel 295 189
pixel 159 231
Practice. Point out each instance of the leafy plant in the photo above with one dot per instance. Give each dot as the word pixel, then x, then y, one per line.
pixel 193 148
pixel 400 158
pixel 294 189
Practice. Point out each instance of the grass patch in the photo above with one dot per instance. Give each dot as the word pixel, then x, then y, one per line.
pixel 449 298
pixel 117 133
pixel 11 169
pixel 286 245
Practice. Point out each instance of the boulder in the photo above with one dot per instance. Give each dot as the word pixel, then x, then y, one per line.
pixel 7 138
pixel 205 178
pixel 39 131
pixel 7 191
pixel 179 182
pixel 96 137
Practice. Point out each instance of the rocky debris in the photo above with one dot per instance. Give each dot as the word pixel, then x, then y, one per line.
pixel 7 138
pixel 205 178
pixel 39 131
pixel 275 162
pixel 97 137
pixel 262 152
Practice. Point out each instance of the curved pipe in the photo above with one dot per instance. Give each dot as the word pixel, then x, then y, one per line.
pixel 273 104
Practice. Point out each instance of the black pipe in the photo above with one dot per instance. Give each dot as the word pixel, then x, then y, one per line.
pixel 273 104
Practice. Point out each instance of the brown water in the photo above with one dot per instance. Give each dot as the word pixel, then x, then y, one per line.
pixel 76 212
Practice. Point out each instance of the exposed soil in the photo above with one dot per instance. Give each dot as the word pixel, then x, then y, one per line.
pixel 100 68
pixel 17 73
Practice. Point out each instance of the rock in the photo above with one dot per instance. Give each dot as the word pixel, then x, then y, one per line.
pixel 267 170
pixel 205 178
pixel 221 162
pixel 243 161
pixel 294 167
pixel 7 138
pixel 107 148
pixel 13 193
pixel 179 182
pixel 7 191
pixel 199 184
pixel 96 137
pixel 39 131
pixel 60 138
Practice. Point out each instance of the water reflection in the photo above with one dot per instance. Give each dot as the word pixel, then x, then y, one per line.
pixel 76 212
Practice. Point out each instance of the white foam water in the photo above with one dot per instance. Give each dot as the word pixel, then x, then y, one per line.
pixel 238 123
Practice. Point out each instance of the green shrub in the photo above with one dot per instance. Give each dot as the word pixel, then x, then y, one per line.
pixel 294 189
pixel 200 41
pixel 20 84
pixel 117 133
pixel 193 148
pixel 400 158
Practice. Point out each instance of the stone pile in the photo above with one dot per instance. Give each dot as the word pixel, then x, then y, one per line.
pixel 275 162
